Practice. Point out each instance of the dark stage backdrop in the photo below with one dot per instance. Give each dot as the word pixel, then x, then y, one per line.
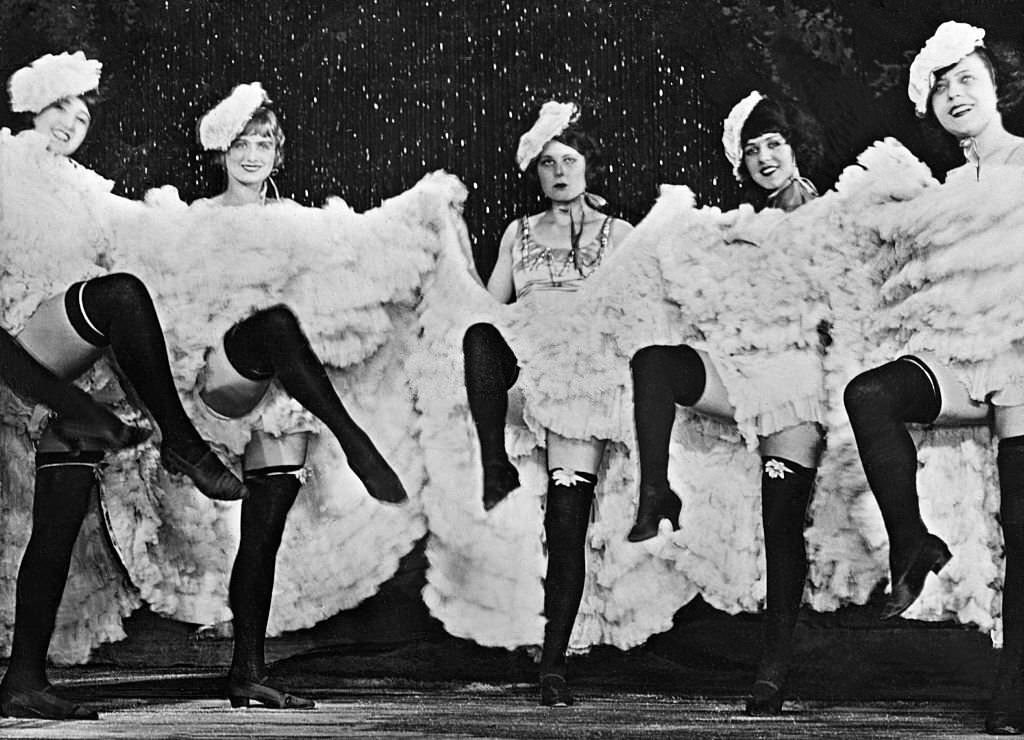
pixel 374 94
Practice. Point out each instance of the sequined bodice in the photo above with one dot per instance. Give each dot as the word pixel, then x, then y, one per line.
pixel 541 267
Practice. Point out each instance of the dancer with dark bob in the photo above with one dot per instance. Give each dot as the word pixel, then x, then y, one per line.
pixel 764 139
pixel 542 259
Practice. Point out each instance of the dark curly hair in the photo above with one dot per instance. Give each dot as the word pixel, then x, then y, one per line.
pixel 800 130
pixel 586 145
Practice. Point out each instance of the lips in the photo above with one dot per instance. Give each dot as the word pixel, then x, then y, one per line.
pixel 60 135
pixel 959 110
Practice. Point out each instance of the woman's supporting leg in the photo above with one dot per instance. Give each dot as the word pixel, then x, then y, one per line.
pixel 1006 713
pixel 252 584
pixel 64 484
pixel 80 416
pixel 880 402
pixel 271 343
pixel 491 369
pixel 117 309
pixel 786 488
pixel 566 518
pixel 663 376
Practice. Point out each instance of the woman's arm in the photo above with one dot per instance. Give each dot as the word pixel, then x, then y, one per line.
pixel 500 284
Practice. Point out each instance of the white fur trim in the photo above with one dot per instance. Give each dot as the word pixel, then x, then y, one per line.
pixel 50 78
pixel 733 128
pixel 227 119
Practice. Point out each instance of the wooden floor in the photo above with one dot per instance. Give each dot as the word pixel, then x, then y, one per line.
pixel 150 704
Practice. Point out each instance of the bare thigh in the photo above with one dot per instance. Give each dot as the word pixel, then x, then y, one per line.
pixel 583 456
pixel 800 443
pixel 50 338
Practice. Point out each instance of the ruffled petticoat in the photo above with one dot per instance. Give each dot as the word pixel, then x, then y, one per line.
pixel 677 279
pixel 353 281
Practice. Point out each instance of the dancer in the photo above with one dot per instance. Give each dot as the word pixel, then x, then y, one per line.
pixel 541 260
pixel 953 79
pixel 66 333
pixel 261 355
pixel 764 140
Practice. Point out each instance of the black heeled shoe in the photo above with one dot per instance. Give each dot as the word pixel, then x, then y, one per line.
pixel 111 434
pixel 41 704
pixel 241 692
pixel 654 505
pixel 500 479
pixel 554 691
pixel 207 472
pixel 1004 723
pixel 931 554
pixel 765 699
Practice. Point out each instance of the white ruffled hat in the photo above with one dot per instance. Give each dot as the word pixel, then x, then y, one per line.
pixel 221 125
pixel 51 78
pixel 554 118
pixel 732 129
pixel 951 42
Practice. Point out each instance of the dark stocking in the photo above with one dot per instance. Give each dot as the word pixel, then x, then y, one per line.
pixel 62 493
pixel 270 343
pixel 663 376
pixel 252 576
pixel 491 369
pixel 785 492
pixel 80 415
pixel 879 403
pixel 1008 695
pixel 566 518
pixel 120 307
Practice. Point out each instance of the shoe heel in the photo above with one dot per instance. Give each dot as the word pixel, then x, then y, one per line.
pixel 943 557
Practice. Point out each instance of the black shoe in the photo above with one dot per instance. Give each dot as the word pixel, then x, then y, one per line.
pixel 655 504
pixel 931 554
pixel 765 699
pixel 554 691
pixel 109 433
pixel 41 704
pixel 207 472
pixel 500 479
pixel 240 692
pixel 1004 723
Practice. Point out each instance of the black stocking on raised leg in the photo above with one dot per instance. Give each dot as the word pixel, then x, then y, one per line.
pixel 663 376
pixel 270 343
pixel 252 585
pixel 118 310
pixel 785 493
pixel 81 418
pixel 64 484
pixel 880 402
pixel 491 368
pixel 566 519
pixel 1006 714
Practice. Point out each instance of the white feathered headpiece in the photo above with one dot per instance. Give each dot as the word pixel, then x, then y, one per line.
pixel 951 42
pixel 732 129
pixel 219 127
pixel 51 78
pixel 554 118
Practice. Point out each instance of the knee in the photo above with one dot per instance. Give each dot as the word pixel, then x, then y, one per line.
pixel 278 320
pixel 863 393
pixel 479 337
pixel 127 287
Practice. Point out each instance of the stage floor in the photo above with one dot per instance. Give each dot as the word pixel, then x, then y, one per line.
pixel 854 676
pixel 149 704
